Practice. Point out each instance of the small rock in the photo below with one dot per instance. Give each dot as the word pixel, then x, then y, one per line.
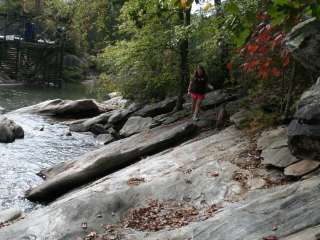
pixel 240 117
pixel 9 130
pixel 267 138
pixel 104 139
pixel 278 154
pixel 256 183
pixel 41 129
pixel 69 134
pixel 301 168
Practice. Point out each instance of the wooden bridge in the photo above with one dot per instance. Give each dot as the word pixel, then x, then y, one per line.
pixel 24 57
pixel 32 63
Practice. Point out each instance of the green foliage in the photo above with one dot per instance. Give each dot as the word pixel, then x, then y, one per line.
pixel 144 65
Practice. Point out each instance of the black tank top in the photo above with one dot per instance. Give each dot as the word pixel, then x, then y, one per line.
pixel 199 85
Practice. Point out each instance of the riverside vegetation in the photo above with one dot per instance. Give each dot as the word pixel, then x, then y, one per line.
pixel 157 174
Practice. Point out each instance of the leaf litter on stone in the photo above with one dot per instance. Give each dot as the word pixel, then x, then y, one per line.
pixel 135 181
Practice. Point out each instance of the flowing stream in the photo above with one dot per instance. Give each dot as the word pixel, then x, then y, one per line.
pixel 21 160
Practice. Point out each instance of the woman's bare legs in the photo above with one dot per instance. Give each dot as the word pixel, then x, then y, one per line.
pixel 194 102
pixel 197 109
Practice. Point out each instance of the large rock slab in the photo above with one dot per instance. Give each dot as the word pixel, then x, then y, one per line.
pixel 304 44
pixel 156 109
pixel 301 168
pixel 290 209
pixel 135 125
pixel 184 174
pixel 65 108
pixel 9 215
pixel 9 130
pixel 275 151
pixel 103 161
pixel 304 130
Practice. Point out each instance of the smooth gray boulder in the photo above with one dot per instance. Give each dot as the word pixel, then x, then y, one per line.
pixel 9 130
pixel 304 130
pixel 275 151
pixel 104 139
pixel 185 175
pixel 182 175
pixel 304 44
pixel 156 109
pixel 240 117
pixel 301 168
pixel 135 125
pixel 105 160
pixel 216 98
pixel 270 136
pixel 70 61
pixel 169 118
pixel 65 108
pixel 116 102
pixel 9 215
pixel 291 209
pixel 87 125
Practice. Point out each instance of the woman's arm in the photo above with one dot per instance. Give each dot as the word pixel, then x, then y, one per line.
pixel 189 88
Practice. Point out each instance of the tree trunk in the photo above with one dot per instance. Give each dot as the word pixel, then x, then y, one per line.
pixel 37 5
pixel 185 18
pixel 217 4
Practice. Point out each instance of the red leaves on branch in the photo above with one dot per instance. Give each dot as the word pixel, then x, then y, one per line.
pixel 285 59
pixel 264 53
pixel 252 48
pixel 261 16
pixel 276 72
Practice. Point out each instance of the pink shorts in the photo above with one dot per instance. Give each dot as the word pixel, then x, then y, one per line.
pixel 197 96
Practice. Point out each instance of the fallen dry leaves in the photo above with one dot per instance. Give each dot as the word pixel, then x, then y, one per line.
pixel 270 238
pixel 159 215
pixel 156 216
pixel 135 181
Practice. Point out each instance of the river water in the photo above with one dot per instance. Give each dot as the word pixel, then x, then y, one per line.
pixel 21 160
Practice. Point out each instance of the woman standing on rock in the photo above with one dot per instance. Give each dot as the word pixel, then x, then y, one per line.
pixel 197 89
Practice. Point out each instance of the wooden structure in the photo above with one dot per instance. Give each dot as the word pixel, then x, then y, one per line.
pixel 32 63
pixel 26 58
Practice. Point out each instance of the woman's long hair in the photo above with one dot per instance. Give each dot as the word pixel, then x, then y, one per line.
pixel 196 74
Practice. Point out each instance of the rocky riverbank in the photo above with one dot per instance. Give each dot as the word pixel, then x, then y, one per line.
pixel 163 176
